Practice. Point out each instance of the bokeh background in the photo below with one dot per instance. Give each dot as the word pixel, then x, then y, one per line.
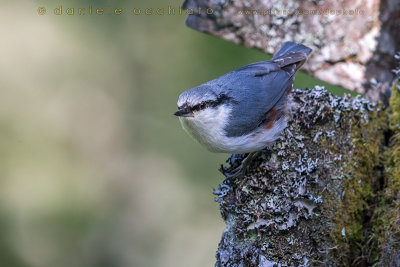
pixel 95 169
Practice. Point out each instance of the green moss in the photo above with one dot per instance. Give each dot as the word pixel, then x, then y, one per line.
pixel 393 159
pixel 350 233
pixel 387 222
pixel 394 110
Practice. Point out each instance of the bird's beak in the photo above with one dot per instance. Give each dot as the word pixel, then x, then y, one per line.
pixel 183 112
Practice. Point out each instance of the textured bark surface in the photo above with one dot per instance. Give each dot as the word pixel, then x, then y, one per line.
pixel 354 51
pixel 304 201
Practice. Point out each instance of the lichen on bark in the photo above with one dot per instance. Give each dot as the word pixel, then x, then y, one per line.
pixel 310 198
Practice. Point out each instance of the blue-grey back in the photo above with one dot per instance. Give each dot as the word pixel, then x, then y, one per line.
pixel 254 90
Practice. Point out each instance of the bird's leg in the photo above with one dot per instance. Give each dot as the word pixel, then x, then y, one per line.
pixel 242 168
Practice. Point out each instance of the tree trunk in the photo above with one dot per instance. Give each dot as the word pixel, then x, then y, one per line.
pixel 328 191
pixel 321 195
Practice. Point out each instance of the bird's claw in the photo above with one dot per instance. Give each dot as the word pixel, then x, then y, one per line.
pixel 236 173
pixel 241 170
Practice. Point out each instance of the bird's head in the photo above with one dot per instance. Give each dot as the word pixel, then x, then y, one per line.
pixel 199 99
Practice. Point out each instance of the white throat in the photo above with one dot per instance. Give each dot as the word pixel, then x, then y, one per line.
pixel 207 127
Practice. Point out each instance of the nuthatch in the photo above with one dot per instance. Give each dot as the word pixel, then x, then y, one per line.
pixel 244 110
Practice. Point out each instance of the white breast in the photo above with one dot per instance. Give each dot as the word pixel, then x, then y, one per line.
pixel 207 127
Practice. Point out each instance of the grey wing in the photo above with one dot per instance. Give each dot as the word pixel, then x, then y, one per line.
pixel 254 94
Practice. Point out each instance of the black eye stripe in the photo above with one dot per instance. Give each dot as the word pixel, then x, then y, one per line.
pixel 210 103
pixel 202 105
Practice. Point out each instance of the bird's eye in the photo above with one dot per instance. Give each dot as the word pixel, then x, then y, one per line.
pixel 200 106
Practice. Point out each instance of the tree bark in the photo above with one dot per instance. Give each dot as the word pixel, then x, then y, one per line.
pixel 353 49
pixel 328 191
pixel 314 197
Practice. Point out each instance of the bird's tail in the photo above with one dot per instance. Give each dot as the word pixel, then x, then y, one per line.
pixel 291 47
pixel 291 54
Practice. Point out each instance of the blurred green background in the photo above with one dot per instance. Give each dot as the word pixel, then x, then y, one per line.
pixel 95 169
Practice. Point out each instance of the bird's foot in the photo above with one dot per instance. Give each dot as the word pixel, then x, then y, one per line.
pixel 241 170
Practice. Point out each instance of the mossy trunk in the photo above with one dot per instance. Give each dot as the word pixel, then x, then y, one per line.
pixel 326 193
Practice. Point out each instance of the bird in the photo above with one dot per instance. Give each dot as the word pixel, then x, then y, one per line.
pixel 245 110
